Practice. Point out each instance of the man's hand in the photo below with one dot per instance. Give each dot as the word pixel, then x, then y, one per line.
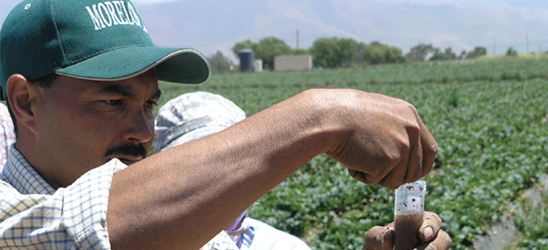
pixel 430 235
pixel 385 141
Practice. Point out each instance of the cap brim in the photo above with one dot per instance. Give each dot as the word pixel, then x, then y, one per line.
pixel 173 65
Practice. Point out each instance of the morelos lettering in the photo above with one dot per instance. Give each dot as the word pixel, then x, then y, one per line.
pixel 109 13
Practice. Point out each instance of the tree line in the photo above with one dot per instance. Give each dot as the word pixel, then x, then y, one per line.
pixel 337 52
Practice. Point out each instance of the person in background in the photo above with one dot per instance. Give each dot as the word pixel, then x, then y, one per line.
pixel 192 116
pixel 7 136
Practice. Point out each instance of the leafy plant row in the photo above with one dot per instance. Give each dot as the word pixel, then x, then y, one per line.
pixel 433 72
pixel 492 135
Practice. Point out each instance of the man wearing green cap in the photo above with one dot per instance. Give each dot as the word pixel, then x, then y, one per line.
pixel 80 78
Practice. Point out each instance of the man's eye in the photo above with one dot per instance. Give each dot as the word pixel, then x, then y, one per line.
pixel 150 104
pixel 114 102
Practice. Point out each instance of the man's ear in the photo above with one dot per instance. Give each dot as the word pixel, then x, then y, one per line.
pixel 21 94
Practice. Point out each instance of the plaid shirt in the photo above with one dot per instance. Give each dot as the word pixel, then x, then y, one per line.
pixel 35 216
pixel 221 242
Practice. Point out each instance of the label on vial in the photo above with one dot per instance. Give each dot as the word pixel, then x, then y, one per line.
pixel 414 203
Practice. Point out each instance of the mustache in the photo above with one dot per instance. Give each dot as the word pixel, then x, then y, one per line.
pixel 127 149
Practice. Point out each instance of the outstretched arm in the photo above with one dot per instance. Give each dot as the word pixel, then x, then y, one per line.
pixel 182 197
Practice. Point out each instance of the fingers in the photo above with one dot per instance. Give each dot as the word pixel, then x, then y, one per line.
pixel 410 168
pixel 429 149
pixel 399 149
pixel 441 242
pixel 379 238
pixel 400 173
pixel 414 171
pixel 358 175
pixel 431 224
pixel 417 161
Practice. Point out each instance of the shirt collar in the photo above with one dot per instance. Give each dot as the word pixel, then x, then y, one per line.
pixel 22 176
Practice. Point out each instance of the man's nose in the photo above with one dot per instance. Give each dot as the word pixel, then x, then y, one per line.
pixel 140 127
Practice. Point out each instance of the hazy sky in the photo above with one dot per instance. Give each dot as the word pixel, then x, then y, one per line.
pixel 216 25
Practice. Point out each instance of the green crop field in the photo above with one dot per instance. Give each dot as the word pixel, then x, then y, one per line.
pixel 489 118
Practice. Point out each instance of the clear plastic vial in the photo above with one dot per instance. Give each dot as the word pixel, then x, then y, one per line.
pixel 408 211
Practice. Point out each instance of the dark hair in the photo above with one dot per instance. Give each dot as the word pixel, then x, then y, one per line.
pixel 44 82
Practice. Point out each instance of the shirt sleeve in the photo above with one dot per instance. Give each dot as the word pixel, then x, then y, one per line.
pixel 71 218
pixel 261 236
pixel 221 241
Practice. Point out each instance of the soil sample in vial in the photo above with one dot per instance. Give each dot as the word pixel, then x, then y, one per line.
pixel 408 210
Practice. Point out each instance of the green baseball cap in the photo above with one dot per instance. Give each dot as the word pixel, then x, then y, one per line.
pixel 89 39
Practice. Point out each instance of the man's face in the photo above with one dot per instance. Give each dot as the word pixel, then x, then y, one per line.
pixel 82 124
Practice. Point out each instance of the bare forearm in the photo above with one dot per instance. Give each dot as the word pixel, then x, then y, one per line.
pixel 182 197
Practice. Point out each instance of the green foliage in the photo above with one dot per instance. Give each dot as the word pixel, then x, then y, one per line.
pixel 443 56
pixel 477 52
pixel 247 44
pixel 328 209
pixel 325 52
pixel 270 47
pixel 300 52
pixel 532 221
pixel 420 52
pixel 343 52
pixel 511 52
pixel 333 52
pixel 266 49
pixel 488 117
pixel 377 53
pixel 220 63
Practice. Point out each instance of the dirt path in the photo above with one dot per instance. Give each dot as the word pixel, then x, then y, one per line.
pixel 503 234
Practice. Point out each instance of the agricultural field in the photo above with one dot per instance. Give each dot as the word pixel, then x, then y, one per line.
pixel 489 118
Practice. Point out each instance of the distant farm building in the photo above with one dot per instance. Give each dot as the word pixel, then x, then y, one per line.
pixel 258 65
pixel 284 63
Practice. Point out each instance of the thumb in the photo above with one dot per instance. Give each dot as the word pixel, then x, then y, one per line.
pixel 379 238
